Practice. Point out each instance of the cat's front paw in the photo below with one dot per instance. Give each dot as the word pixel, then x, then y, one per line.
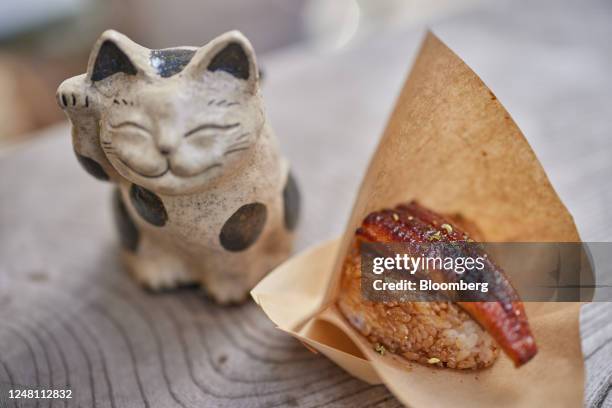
pixel 227 292
pixel 159 273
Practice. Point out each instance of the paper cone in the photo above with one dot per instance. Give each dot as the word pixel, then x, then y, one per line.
pixel 452 146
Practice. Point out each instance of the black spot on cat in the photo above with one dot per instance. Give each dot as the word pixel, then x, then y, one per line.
pixel 243 228
pixel 231 59
pixel 148 205
pixel 291 201
pixel 128 232
pixel 111 60
pixel 170 61
pixel 92 167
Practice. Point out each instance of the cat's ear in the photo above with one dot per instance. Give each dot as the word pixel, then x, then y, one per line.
pixel 113 53
pixel 231 53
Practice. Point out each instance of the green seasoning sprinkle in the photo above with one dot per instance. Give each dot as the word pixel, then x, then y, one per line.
pixel 448 228
pixel 435 237
pixel 380 349
pixel 433 360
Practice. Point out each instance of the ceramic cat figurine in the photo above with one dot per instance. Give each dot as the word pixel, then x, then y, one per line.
pixel 203 194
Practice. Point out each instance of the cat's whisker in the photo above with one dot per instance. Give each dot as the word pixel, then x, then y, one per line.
pixel 242 136
pixel 236 150
pixel 238 145
pixel 238 142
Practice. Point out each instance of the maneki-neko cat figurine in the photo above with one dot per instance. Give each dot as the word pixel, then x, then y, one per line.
pixel 203 194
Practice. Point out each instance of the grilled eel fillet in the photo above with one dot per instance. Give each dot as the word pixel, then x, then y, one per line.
pixel 504 318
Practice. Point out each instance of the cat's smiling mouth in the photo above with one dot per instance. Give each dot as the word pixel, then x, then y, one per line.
pixel 146 175
pixel 168 168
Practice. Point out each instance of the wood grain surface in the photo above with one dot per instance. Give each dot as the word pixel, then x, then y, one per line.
pixel 71 317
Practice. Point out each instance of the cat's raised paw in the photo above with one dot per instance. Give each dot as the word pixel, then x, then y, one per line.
pixel 71 95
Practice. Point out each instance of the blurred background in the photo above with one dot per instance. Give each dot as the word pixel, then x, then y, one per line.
pixel 43 42
pixel 333 69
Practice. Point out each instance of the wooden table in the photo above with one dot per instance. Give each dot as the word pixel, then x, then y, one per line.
pixel 70 316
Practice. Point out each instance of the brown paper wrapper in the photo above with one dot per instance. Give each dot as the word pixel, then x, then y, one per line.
pixel 452 146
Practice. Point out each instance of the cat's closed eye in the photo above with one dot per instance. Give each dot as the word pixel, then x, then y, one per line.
pixel 129 124
pixel 211 126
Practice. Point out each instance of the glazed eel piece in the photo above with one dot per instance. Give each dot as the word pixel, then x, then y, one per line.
pixel 504 318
